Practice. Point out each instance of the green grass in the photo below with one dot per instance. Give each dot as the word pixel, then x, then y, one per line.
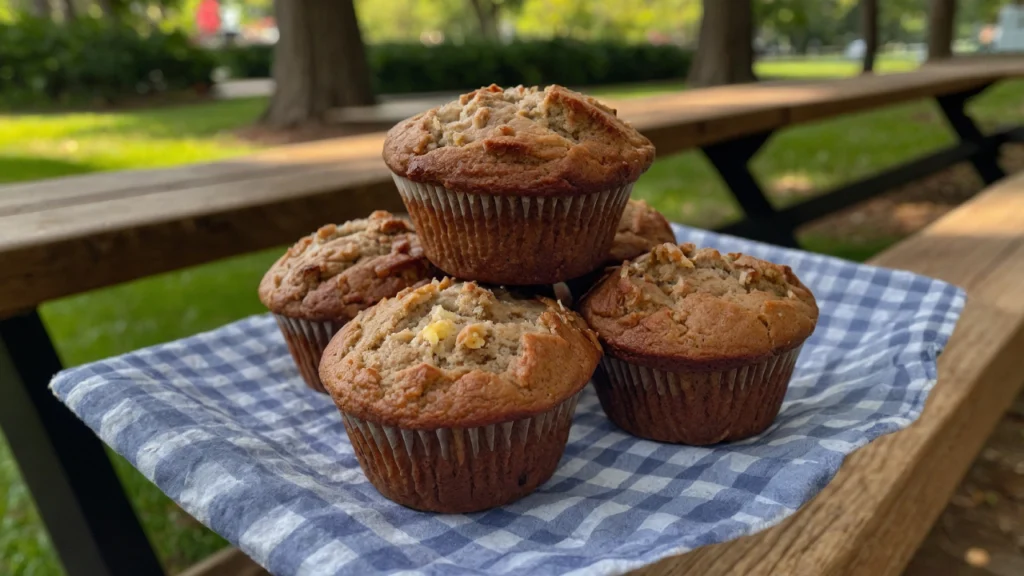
pixel 161 308
pixel 49 145
pixel 830 67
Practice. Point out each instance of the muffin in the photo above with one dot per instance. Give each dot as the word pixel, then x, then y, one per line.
pixel 640 229
pixel 326 278
pixel 458 398
pixel 519 186
pixel 699 346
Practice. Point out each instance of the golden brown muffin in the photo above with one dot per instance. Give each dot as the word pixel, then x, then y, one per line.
pixel 640 229
pixel 700 346
pixel 326 278
pixel 518 186
pixel 458 398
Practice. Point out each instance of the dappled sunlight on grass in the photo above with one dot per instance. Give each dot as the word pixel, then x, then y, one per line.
pixel 815 156
pixel 830 67
pixel 47 145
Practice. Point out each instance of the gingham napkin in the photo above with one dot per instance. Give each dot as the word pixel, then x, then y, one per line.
pixel 222 423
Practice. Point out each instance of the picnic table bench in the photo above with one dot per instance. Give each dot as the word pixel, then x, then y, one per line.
pixel 69 235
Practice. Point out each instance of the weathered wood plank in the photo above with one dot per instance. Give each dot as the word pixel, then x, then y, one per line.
pixel 226 562
pixel 71 190
pixel 873 515
pixel 115 241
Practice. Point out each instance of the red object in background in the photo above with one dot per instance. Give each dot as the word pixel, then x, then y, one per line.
pixel 208 17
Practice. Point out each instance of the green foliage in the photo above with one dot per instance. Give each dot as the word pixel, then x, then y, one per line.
pixel 90 61
pixel 405 20
pixel 402 68
pixel 246 61
pixel 833 23
pixel 634 21
pixel 405 68
pixel 7 12
pixel 800 22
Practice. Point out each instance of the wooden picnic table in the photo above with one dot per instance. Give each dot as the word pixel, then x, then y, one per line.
pixel 68 235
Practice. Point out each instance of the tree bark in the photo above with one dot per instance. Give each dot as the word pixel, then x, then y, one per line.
pixel 941 16
pixel 69 10
pixel 319 62
pixel 487 17
pixel 41 9
pixel 108 9
pixel 869 23
pixel 725 48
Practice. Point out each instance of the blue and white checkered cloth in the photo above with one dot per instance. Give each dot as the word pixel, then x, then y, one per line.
pixel 222 423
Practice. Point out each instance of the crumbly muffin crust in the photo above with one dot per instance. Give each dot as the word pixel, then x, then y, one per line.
pixel 453 354
pixel 519 141
pixel 680 308
pixel 641 228
pixel 342 269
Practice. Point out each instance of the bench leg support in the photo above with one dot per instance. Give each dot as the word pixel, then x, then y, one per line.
pixel 986 159
pixel 732 161
pixel 89 519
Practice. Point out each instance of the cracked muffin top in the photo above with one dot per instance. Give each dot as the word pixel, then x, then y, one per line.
pixel 680 308
pixel 640 229
pixel 455 354
pixel 337 271
pixel 519 141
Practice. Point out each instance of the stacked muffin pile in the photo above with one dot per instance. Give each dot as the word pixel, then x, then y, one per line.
pixel 456 379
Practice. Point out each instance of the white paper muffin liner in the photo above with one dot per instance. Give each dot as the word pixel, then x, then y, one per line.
pixel 516 240
pixel 306 341
pixel 696 408
pixel 459 470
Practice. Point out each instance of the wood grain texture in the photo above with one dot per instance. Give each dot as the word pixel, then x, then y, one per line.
pixel 226 562
pixel 879 507
pixel 67 235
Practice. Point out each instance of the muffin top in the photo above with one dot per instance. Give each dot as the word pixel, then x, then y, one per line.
pixel 679 308
pixel 454 354
pixel 519 141
pixel 640 229
pixel 340 270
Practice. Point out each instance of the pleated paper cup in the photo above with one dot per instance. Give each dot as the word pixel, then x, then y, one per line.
pixel 306 341
pixel 513 240
pixel 461 470
pixel 697 408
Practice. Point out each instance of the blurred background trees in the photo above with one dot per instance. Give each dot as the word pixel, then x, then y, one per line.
pixel 320 62
pixel 793 26
pixel 725 52
pixel 335 53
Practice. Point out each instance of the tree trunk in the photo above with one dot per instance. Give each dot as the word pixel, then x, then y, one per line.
pixel 941 16
pixel 41 9
pixel 69 10
pixel 108 9
pixel 487 17
pixel 869 23
pixel 725 49
pixel 319 62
